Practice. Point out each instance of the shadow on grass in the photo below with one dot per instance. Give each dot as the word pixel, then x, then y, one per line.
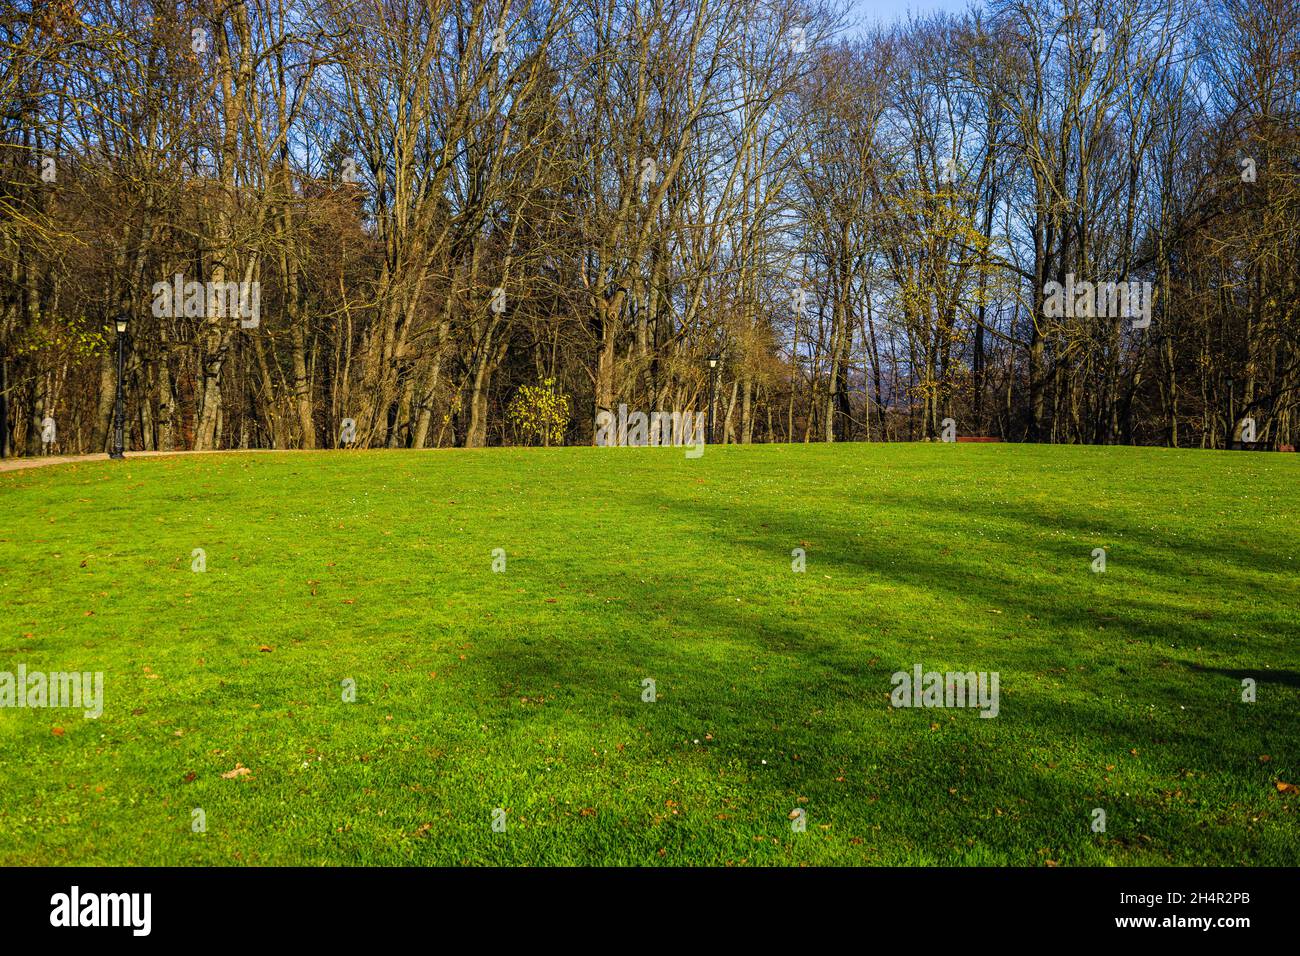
pixel 1056 753
pixel 882 558
pixel 1262 675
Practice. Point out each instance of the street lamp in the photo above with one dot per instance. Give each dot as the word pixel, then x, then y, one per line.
pixel 119 404
pixel 714 359
pixel 1232 418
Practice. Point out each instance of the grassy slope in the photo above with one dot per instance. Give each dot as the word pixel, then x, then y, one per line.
pixel 523 689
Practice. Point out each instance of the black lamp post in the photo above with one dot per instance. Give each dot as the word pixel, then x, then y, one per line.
pixel 714 359
pixel 119 404
pixel 1232 418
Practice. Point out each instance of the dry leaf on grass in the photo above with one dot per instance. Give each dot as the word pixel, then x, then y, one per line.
pixel 239 771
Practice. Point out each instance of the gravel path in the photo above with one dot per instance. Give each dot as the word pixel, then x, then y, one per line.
pixel 18 464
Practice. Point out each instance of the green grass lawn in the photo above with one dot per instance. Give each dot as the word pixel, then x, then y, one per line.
pixel 523 689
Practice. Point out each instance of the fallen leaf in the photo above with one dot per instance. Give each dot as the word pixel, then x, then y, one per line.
pixel 58 732
pixel 190 777
pixel 239 771
pixel 265 649
pixel 1287 787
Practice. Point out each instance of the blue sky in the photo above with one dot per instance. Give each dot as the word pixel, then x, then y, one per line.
pixel 897 10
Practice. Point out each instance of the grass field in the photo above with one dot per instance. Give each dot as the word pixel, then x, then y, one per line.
pixel 523 689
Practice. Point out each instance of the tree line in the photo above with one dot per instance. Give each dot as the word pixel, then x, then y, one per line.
pixel 430 223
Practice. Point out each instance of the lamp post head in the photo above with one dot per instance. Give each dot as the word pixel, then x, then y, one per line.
pixel 121 322
pixel 713 360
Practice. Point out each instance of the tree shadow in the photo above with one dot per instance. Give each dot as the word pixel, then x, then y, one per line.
pixel 1263 675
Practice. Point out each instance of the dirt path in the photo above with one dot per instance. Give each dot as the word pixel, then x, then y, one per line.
pixel 19 464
